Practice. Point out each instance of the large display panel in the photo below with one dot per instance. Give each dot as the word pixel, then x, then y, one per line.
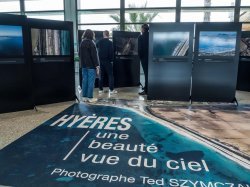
pixel 170 61
pixel 215 64
pixel 15 69
pixel 243 80
pixel 126 61
pixel 53 60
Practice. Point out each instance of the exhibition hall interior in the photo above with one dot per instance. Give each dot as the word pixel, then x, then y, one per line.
pixel 179 113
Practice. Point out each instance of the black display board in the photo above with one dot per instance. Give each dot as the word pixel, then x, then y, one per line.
pixel 52 56
pixel 170 61
pixel 216 58
pixel 243 80
pixel 126 61
pixel 15 69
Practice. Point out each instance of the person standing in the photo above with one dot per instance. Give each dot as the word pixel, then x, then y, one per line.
pixel 106 56
pixel 143 54
pixel 89 64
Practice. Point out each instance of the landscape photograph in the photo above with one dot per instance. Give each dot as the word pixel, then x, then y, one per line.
pixel 11 41
pixel 217 43
pixel 170 44
pixel 50 42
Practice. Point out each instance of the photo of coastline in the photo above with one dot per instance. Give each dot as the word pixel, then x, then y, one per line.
pixel 170 44
pixel 50 42
pixel 11 40
pixel 245 47
pixel 217 43
pixel 126 46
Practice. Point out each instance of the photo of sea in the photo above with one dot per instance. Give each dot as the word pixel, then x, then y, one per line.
pixel 126 46
pixel 170 44
pixel 50 42
pixel 11 41
pixel 245 47
pixel 217 43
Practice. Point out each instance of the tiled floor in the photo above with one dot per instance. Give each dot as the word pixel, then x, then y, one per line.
pixel 224 123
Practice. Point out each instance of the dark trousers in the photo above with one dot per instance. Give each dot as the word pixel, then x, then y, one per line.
pixel 144 63
pixel 106 67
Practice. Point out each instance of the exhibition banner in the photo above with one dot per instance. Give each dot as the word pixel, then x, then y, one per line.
pixel 89 145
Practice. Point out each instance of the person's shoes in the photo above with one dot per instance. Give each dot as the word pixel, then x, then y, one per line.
pixel 84 99
pixel 79 89
pixel 143 93
pixel 92 100
pixel 100 91
pixel 113 91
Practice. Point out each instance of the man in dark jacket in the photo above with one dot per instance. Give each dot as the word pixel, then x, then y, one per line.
pixel 89 63
pixel 143 54
pixel 106 56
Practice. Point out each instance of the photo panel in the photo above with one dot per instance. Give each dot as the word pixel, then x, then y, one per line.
pixel 245 47
pixel 168 44
pixel 125 45
pixel 48 42
pixel 217 43
pixel 11 41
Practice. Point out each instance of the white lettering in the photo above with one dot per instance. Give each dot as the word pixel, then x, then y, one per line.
pixel 62 120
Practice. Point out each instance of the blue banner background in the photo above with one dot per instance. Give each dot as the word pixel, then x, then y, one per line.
pixel 30 160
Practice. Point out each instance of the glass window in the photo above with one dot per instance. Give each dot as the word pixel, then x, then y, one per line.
pixel 50 16
pixel 208 16
pixel 98 4
pixel 99 27
pixel 192 16
pixel 227 16
pixel 194 3
pixel 133 27
pixel 245 15
pixel 38 5
pixel 113 17
pixel 245 27
pixel 245 3
pixel 149 3
pixel 10 6
pixel 149 16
